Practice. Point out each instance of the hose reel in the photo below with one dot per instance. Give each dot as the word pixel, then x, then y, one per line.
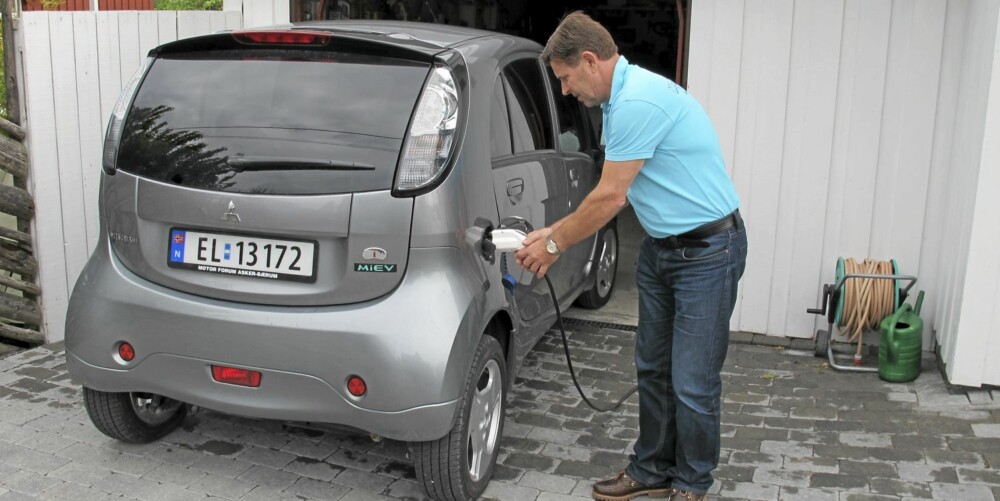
pixel 860 297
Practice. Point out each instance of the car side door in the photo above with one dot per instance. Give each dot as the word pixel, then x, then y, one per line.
pixel 529 176
pixel 579 150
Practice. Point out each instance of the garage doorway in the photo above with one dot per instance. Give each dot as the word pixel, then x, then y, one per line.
pixel 650 33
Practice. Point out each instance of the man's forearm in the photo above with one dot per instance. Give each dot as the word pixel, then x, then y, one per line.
pixel 595 212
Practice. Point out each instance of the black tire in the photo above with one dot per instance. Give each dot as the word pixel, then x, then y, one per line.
pixel 822 342
pixel 450 469
pixel 606 264
pixel 136 418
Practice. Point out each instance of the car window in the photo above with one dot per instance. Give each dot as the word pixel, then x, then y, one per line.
pixel 530 121
pixel 273 121
pixel 571 118
pixel 499 122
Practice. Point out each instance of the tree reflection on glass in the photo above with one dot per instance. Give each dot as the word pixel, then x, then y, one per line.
pixel 151 146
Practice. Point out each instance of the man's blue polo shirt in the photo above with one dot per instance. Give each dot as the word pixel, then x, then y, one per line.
pixel 683 183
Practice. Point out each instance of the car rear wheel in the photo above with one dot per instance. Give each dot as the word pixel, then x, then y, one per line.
pixel 606 262
pixel 458 466
pixel 136 418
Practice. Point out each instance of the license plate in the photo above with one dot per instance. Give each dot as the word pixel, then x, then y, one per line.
pixel 243 255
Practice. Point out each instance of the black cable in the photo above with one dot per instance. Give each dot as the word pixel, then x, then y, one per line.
pixel 569 362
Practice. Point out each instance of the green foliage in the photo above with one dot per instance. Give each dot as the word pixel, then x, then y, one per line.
pixel 188 4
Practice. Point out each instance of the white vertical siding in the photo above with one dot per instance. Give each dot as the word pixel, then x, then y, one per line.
pixel 75 64
pixel 970 348
pixel 855 128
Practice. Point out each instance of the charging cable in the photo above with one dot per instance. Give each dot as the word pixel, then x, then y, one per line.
pixel 508 240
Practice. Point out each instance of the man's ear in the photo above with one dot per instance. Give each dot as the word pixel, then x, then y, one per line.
pixel 589 58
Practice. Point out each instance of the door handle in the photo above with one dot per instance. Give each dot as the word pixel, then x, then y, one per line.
pixel 515 190
pixel 574 178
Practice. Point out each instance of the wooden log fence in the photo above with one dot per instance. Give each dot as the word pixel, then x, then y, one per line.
pixel 20 312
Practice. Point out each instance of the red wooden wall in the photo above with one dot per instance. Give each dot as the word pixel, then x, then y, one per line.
pixel 85 5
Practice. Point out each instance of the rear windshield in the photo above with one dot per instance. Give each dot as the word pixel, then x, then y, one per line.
pixel 271 121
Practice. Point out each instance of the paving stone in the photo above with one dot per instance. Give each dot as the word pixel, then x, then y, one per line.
pixel 745 490
pixel 756 459
pixel 838 481
pixel 927 473
pixel 896 455
pixel 175 474
pixel 363 480
pixel 734 473
pixel 223 487
pixel 761 433
pixel 979 476
pixel 221 466
pixel 313 468
pixel 529 461
pixel 963 492
pixel 986 430
pixel 125 485
pixel 781 477
pixel 314 489
pixel 547 483
pixel 868 469
pixel 954 458
pixel 265 493
pixel 786 448
pixel 264 475
pixel 804 494
pixel 813 464
pixel 583 469
pixel 858 439
pixel 75 492
pixel 28 482
pixel 80 473
pixel 500 491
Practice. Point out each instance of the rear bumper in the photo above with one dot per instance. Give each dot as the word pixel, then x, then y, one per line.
pixel 281 395
pixel 413 347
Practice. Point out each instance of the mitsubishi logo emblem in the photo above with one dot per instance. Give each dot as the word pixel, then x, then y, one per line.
pixel 231 214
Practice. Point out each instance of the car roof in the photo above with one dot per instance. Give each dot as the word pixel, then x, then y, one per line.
pixel 440 35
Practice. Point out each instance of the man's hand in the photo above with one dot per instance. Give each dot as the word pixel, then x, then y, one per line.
pixel 533 256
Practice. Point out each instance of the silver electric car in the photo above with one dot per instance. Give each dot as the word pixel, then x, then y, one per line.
pixel 296 224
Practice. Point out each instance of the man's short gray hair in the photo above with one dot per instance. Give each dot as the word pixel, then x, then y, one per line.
pixel 576 33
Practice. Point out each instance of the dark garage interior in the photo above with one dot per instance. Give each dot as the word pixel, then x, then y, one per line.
pixel 648 32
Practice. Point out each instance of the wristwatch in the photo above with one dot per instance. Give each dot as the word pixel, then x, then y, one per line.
pixel 551 247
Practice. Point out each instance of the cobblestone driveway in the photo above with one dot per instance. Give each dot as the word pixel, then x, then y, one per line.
pixel 793 429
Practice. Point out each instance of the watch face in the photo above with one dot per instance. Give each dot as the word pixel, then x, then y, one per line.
pixel 551 247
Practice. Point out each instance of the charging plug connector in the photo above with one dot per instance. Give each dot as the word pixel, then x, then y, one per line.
pixel 507 239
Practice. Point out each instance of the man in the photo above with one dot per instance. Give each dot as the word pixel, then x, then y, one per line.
pixel 663 156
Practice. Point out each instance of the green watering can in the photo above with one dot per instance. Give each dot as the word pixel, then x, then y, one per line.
pixel 901 346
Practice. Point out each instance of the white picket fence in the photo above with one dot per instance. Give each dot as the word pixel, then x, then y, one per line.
pixel 74 66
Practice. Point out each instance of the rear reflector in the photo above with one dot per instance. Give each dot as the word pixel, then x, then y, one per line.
pixel 282 37
pixel 356 386
pixel 126 352
pixel 232 375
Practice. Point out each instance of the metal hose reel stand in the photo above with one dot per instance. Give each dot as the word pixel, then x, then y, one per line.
pixel 832 306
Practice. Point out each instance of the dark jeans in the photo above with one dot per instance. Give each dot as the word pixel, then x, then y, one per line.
pixel 686 298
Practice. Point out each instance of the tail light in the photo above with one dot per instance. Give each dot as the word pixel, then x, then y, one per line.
pixel 114 132
pixel 431 138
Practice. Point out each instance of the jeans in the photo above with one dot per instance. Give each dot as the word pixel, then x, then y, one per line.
pixel 686 298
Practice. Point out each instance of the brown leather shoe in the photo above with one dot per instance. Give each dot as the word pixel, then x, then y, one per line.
pixel 680 495
pixel 623 488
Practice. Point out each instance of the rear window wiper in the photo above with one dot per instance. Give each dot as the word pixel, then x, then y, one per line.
pixel 278 163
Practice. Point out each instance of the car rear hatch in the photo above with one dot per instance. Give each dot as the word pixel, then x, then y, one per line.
pixel 259 168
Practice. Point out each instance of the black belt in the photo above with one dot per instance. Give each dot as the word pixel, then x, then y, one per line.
pixel 697 236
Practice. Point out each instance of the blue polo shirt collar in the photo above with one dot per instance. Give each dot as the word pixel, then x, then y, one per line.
pixel 617 80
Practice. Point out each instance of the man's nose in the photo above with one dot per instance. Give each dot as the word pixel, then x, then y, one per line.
pixel 565 89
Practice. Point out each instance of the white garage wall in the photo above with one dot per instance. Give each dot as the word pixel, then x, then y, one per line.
pixel 855 128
